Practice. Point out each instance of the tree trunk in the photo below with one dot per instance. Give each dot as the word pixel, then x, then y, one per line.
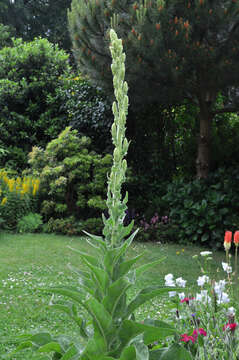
pixel 204 141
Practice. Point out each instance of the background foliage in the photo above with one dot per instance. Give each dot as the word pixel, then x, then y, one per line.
pixel 73 179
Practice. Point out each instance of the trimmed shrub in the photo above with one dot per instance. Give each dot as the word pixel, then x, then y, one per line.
pixel 73 181
pixel 29 223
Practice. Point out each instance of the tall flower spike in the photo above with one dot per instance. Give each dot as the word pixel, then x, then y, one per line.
pixel 114 230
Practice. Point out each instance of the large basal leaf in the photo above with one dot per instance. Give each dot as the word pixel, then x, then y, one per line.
pixel 145 295
pixel 95 348
pixel 50 347
pixel 176 352
pixel 142 352
pixel 128 353
pixel 130 329
pixel 71 354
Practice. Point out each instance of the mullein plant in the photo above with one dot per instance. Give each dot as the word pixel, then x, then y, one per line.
pixel 113 332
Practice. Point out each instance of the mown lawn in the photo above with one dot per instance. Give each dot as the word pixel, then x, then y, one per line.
pixel 30 262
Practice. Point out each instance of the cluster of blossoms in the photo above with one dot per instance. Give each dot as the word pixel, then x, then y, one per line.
pixel 216 295
pixel 186 338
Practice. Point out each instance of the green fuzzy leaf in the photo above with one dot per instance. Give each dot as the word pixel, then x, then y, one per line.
pixel 145 295
pixel 128 353
pixel 84 280
pixel 69 310
pixel 86 257
pixel 52 346
pixel 156 354
pixel 98 239
pixel 113 255
pixel 176 352
pixel 130 329
pixel 71 354
pixel 41 339
pixel 141 269
pixel 125 266
pixel 142 352
pixel 101 317
pixel 95 348
pixel 72 294
pixel 115 293
pixel 100 278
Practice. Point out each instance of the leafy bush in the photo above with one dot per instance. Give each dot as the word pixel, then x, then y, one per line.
pixel 204 209
pixel 73 180
pixel 30 110
pixel 18 197
pixel 88 110
pixel 29 223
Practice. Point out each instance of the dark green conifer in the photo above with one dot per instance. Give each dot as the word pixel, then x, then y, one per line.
pixel 176 50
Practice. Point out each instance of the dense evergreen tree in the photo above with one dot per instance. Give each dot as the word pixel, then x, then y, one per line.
pixel 176 50
pixel 33 18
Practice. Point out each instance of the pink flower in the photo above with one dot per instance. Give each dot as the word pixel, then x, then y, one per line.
pixel 202 332
pixel 187 299
pixel 231 326
pixel 186 338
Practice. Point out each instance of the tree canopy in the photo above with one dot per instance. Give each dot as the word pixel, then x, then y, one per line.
pixel 33 18
pixel 176 50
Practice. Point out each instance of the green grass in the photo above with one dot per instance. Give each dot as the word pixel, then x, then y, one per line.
pixel 29 262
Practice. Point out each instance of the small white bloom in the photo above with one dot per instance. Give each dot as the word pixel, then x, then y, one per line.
pixel 172 293
pixel 231 311
pixel 181 296
pixel 168 277
pixel 202 280
pixel 169 280
pixel 205 253
pixel 223 298
pixel 203 296
pixel 226 267
pixel 180 282
pixel 219 286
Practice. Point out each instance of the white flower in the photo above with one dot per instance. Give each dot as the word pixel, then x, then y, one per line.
pixel 169 280
pixel 172 293
pixel 203 296
pixel 180 282
pixel 202 280
pixel 231 311
pixel 223 298
pixel 181 296
pixel 219 286
pixel 205 253
pixel 226 267
pixel 168 277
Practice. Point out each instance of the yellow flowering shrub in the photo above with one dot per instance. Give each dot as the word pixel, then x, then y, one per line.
pixel 17 197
